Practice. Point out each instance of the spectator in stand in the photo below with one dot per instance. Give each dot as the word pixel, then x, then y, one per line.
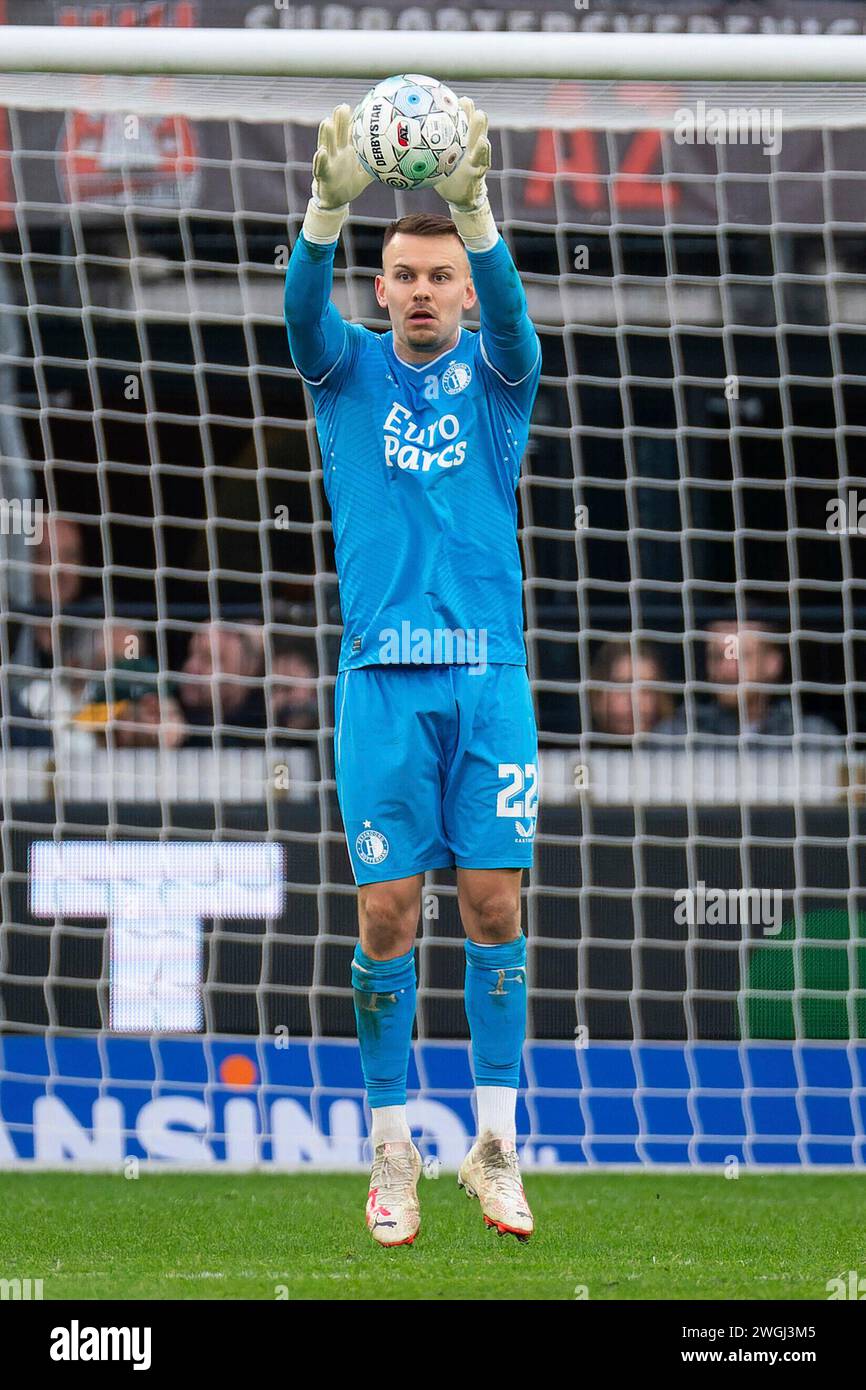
pixel 152 718
pixel 108 701
pixel 292 701
pixel 18 728
pixel 217 700
pixel 90 685
pixel 57 564
pixel 221 687
pixel 746 666
pixel 624 695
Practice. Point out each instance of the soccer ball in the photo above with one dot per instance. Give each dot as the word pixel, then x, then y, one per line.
pixel 410 131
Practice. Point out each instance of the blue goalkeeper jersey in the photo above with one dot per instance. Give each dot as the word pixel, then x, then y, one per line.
pixel 420 465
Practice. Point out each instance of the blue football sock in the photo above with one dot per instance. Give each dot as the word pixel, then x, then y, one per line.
pixel 495 996
pixel 384 1010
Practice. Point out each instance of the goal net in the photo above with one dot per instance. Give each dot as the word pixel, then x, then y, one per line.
pixel 178 909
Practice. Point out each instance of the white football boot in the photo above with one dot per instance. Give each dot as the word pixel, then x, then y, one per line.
pixel 491 1173
pixel 393 1213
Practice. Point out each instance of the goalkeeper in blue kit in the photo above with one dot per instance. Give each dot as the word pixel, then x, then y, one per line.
pixel 421 432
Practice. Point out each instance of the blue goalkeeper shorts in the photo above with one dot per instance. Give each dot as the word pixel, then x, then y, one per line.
pixel 435 767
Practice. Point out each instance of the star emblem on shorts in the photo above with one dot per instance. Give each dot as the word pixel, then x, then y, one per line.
pixel 367 825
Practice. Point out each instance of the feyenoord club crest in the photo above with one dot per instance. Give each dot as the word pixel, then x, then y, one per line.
pixel 456 378
pixel 371 845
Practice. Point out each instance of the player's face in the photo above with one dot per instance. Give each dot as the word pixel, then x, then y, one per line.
pixel 425 286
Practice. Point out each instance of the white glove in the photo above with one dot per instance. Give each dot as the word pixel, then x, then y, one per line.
pixel 338 178
pixel 338 174
pixel 465 190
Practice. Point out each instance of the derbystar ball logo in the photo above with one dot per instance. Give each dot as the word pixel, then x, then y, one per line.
pixel 375 127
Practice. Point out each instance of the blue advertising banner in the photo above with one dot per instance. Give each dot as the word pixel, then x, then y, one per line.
pixel 88 1101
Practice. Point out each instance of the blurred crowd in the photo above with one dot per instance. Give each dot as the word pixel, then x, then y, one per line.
pixel 236 685
pixel 744 692
pixel 239 684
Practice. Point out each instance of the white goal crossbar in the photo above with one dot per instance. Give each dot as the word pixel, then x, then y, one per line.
pixel 349 53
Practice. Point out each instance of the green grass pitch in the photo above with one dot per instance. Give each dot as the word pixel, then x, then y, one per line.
pixel 263 1236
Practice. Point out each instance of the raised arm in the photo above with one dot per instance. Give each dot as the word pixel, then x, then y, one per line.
pixel 317 333
pixel 508 338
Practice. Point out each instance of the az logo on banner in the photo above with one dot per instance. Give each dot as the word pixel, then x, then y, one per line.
pixel 120 158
